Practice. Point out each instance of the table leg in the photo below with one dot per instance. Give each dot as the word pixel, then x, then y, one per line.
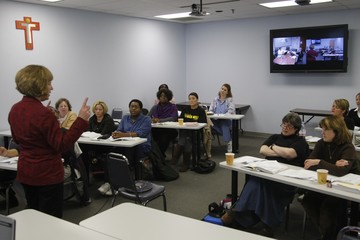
pixel 354 214
pixel 234 186
pixel 235 136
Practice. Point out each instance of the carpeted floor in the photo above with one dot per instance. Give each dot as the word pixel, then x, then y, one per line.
pixel 191 194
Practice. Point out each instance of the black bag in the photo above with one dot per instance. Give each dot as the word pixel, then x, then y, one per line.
pixel 205 166
pixel 161 169
pixel 215 213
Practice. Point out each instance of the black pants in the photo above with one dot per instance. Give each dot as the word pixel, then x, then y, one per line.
pixel 47 199
pixel 327 212
pixel 163 137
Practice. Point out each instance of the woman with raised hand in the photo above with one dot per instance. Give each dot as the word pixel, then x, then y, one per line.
pixel 36 130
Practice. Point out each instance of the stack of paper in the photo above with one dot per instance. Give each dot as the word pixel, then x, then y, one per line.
pixel 349 182
pixel 92 135
pixel 247 159
pixel 111 139
pixel 299 174
pixel 268 166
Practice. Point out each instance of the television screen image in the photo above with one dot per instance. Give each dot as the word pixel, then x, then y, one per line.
pixel 310 49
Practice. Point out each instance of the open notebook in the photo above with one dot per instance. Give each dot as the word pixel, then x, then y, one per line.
pixel 7 228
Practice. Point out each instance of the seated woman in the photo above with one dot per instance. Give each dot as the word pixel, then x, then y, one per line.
pixel 8 175
pixel 164 111
pixel 66 116
pixel 263 200
pixel 336 153
pixel 340 108
pixel 134 125
pixel 101 122
pixel 192 113
pixel 164 85
pixel 355 112
pixel 223 104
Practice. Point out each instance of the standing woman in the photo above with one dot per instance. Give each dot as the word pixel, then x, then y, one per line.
pixel 192 113
pixel 66 116
pixel 355 112
pixel 340 108
pixel 223 104
pixel 164 111
pixel 35 128
pixel 336 153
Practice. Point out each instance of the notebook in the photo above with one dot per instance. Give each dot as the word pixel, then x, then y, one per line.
pixel 7 228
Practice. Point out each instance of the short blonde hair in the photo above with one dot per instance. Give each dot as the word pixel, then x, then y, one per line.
pixel 102 104
pixel 33 80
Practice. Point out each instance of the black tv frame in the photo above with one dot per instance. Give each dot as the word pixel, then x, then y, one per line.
pixel 328 60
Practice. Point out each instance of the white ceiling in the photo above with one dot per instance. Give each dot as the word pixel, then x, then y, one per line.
pixel 231 10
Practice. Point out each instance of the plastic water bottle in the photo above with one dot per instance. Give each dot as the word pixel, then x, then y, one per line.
pixel 302 132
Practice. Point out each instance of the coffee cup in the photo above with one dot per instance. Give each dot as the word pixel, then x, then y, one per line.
pixel 181 121
pixel 322 175
pixel 230 158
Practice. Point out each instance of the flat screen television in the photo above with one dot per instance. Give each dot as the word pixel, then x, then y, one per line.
pixel 309 49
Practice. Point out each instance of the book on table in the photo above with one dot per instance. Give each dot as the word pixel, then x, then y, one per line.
pixel 268 166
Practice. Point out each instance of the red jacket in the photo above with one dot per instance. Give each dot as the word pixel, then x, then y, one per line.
pixel 35 128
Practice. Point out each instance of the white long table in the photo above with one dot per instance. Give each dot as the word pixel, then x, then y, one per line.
pixel 235 119
pixel 131 145
pixel 129 221
pixel 300 183
pixel 35 225
pixel 196 128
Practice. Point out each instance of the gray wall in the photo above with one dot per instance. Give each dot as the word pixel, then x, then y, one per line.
pixel 116 58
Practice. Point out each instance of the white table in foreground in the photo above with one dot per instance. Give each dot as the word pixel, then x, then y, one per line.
pixel 129 221
pixel 34 225
pixel 235 119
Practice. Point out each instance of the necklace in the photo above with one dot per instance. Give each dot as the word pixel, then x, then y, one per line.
pixel 331 153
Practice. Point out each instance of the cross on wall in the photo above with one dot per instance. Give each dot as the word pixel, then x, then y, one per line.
pixel 28 26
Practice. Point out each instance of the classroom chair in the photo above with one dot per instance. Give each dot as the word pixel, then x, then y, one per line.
pixel 122 182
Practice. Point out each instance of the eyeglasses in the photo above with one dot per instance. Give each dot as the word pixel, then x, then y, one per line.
pixel 287 126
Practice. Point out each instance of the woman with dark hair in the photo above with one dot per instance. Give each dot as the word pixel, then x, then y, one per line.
pixel 262 200
pixel 192 113
pixel 336 153
pixel 66 116
pixel 36 130
pixel 136 124
pixel 165 86
pixel 223 104
pixel 164 111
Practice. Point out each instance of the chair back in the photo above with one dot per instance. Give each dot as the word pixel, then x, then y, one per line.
pixel 120 176
pixel 7 228
pixel 117 113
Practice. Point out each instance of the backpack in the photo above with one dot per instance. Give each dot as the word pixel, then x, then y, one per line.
pixel 205 166
pixel 161 169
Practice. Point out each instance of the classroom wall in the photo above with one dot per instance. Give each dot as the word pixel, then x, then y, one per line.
pixel 237 52
pixel 102 56
pixel 117 58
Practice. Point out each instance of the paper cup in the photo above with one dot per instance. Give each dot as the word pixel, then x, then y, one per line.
pixel 230 158
pixel 181 121
pixel 322 175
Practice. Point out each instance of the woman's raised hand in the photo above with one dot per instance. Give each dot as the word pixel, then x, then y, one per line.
pixel 84 112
